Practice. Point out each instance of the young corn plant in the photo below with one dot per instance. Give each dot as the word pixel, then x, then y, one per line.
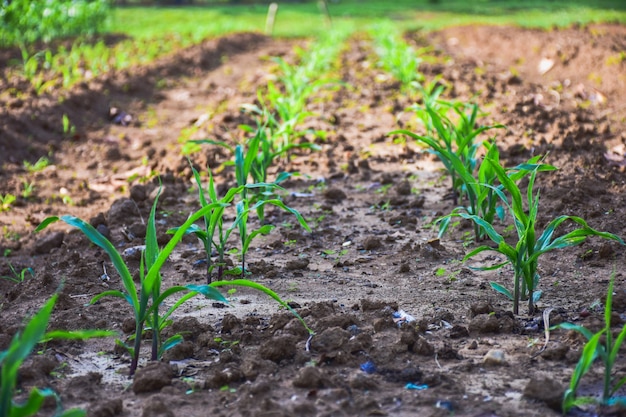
pixel 19 349
pixel 146 299
pixel 481 197
pixel 213 234
pixel 398 58
pixel 524 255
pixel 241 223
pixel 453 143
pixel 601 345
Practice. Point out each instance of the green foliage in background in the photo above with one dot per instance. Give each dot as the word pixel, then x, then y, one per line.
pixel 27 21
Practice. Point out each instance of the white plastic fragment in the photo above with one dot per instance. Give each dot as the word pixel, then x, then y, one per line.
pixel 401 316
pixel 133 250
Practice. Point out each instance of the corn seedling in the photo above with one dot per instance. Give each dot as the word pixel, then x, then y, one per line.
pixel 28 189
pixel 481 198
pixel 18 277
pixel 398 58
pixel 38 166
pixel 453 142
pixel 146 304
pixel 6 201
pixel 524 255
pixel 21 346
pixel 601 345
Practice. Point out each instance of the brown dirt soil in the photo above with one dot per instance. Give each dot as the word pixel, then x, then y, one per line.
pixel 363 193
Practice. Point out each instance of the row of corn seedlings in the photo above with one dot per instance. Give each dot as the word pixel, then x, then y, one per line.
pixel 398 58
pixel 482 187
pixel 280 109
pixel 489 190
pixel 251 161
pixel 84 60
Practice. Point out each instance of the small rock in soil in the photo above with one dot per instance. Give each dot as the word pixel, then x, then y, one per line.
pixel 179 352
pixel 47 243
pixel 278 348
pixel 546 390
pixel 156 408
pixel 410 374
pixel 224 377
pixel 384 323
pixel 230 322
pixel 128 325
pixel 330 340
pixel 363 382
pixel 423 347
pixel 484 323
pixel 458 331
pixel 404 188
pixel 335 194
pixel 137 229
pixel 373 305
pixel 296 264
pixel 98 219
pixel 252 368
pixel 153 377
pixel 495 357
pixel 104 230
pixel 480 308
pixel 447 352
pixel 556 352
pixel 138 192
pixel 121 211
pixel 107 408
pixel 310 377
pixel 371 243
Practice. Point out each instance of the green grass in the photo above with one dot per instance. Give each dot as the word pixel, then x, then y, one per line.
pixel 295 20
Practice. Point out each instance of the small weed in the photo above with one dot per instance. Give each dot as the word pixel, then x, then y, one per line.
pixel 6 201
pixel 18 276
pixel 38 166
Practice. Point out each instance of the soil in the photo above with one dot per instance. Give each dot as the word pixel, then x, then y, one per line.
pixel 372 252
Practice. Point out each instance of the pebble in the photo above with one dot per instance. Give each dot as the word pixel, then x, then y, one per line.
pixel 495 357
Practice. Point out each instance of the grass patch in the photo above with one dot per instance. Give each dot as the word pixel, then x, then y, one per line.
pixel 295 20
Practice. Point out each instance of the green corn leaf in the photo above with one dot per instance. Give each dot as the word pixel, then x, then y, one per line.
pixel 170 343
pixel 499 288
pixel 194 289
pixel 263 230
pixel 153 273
pixel 488 228
pixel 476 251
pixel 76 334
pixel 48 221
pixel 293 211
pixel 74 413
pixel 96 238
pixel 24 342
pixel 617 401
pixel 111 293
pixel 33 404
pixel 580 329
pixel 588 356
pixel 213 142
pixel 270 293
